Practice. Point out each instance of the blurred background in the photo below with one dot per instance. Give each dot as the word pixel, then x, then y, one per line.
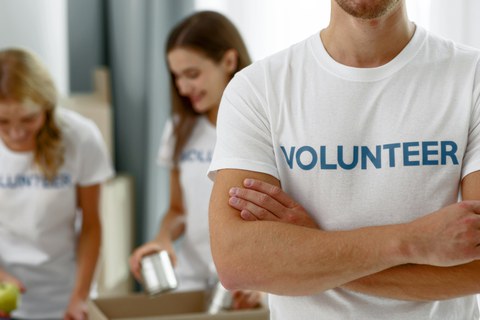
pixel 107 57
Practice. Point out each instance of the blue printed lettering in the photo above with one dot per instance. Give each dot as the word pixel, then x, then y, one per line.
pixel 448 149
pixel 323 160
pixel 411 154
pixel 391 152
pixel 427 152
pixel 34 181
pixel 196 155
pixel 313 153
pixel 342 163
pixel 407 153
pixel 376 160
pixel 288 158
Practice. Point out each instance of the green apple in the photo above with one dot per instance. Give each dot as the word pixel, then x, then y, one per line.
pixel 9 297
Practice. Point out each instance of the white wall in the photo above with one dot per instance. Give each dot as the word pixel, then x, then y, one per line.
pixel 40 26
pixel 271 25
pixel 459 21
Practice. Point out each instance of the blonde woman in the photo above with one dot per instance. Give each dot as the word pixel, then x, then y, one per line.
pixel 52 162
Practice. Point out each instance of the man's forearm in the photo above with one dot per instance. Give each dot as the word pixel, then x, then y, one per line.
pixel 292 260
pixel 421 282
pixel 287 259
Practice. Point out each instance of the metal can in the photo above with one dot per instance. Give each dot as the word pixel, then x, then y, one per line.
pixel 158 274
pixel 221 300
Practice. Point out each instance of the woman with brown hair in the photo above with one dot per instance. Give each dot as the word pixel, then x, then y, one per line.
pixel 203 51
pixel 52 162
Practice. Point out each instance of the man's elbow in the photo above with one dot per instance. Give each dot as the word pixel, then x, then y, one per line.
pixel 231 267
pixel 229 280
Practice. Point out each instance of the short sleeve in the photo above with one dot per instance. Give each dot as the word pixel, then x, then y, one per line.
pixel 244 137
pixel 167 146
pixel 96 166
pixel 471 160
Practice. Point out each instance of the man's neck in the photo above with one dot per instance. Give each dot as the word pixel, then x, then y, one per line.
pixel 365 43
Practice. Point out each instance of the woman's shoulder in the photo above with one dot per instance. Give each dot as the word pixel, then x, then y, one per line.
pixel 72 118
pixel 75 126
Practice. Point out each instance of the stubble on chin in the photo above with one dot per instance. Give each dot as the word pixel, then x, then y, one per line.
pixel 364 9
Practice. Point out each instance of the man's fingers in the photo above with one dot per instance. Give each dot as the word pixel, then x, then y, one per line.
pixel 249 207
pixel 473 205
pixel 247 215
pixel 258 201
pixel 273 191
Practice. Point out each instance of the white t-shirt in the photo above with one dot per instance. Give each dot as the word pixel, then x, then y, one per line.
pixel 195 264
pixel 358 147
pixel 37 216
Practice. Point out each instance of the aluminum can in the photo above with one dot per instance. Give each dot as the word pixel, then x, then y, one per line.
pixel 221 300
pixel 158 274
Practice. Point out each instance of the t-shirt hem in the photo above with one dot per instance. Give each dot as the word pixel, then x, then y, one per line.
pixel 241 165
pixel 469 169
pixel 97 180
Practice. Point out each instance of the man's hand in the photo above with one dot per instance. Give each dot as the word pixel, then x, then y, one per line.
pixel 447 237
pixel 260 200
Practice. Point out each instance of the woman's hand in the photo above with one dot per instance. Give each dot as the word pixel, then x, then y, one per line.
pixel 147 249
pixel 246 299
pixel 259 200
pixel 11 280
pixel 7 277
pixel 77 309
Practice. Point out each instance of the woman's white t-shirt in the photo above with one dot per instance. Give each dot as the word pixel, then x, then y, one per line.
pixel 37 216
pixel 195 264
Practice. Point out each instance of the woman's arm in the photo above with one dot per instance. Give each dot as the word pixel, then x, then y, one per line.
pixel 171 228
pixel 88 250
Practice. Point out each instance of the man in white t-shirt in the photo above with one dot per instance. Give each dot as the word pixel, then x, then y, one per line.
pixel 373 126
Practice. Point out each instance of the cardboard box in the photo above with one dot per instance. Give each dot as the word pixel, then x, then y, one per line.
pixel 172 306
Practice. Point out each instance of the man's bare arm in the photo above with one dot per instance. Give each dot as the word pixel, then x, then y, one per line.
pixel 294 260
pixel 422 282
pixel 262 201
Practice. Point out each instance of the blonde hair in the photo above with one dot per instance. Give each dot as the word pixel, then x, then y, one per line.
pixel 23 77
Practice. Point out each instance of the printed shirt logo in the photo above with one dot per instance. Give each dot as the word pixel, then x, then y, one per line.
pixel 196 155
pixel 34 180
pixel 417 153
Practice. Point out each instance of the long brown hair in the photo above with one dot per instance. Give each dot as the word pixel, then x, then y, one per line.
pixel 23 77
pixel 212 34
